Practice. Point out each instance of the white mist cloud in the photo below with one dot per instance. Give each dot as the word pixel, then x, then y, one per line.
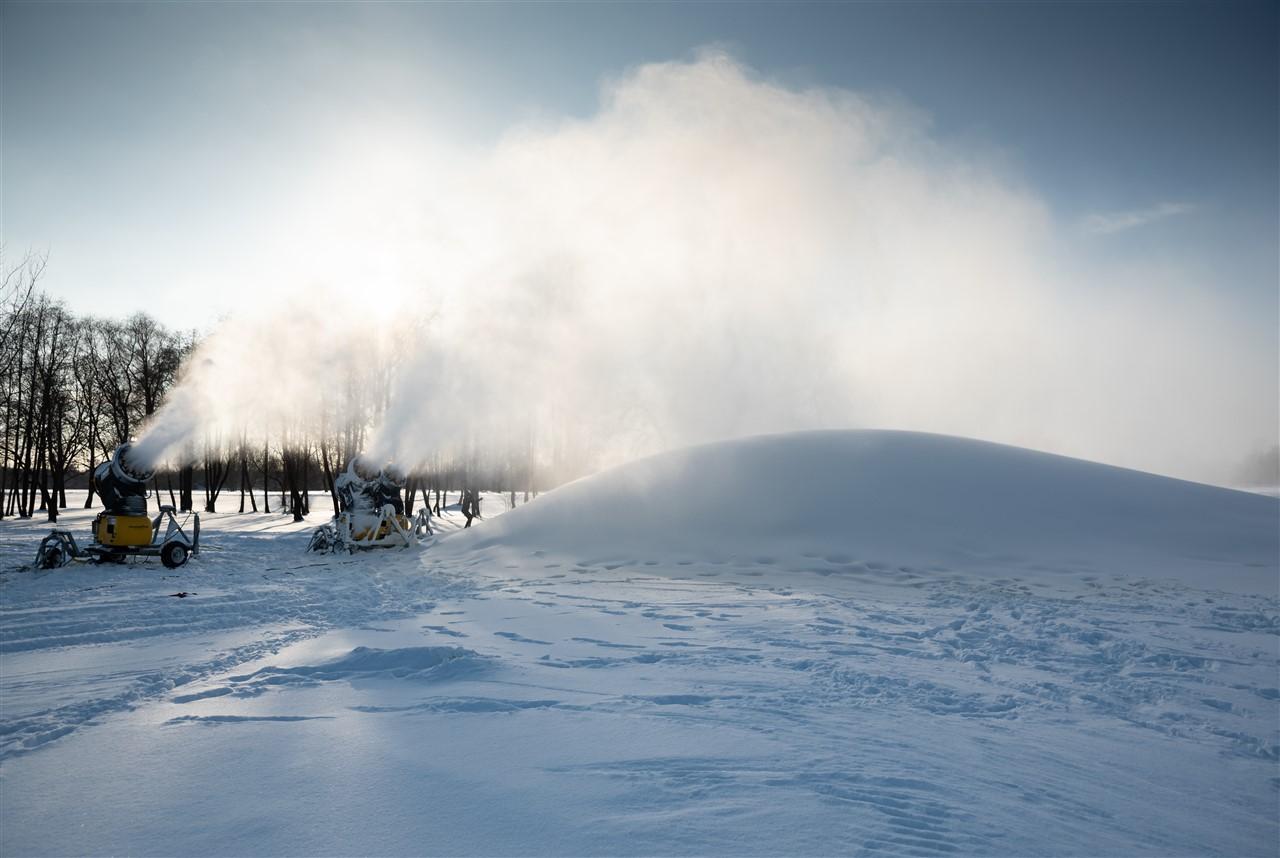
pixel 713 255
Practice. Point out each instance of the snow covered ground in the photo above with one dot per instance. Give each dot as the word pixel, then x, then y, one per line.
pixel 826 643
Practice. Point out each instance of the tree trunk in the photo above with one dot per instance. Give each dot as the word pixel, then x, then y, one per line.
pixel 186 483
pixel 245 481
pixel 216 472
pixel 266 466
pixel 326 469
pixel 50 501
pixel 93 466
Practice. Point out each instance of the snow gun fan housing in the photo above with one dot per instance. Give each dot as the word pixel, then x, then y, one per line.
pixel 121 484
pixel 123 528
pixel 371 511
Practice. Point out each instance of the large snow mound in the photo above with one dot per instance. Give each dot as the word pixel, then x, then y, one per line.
pixel 900 497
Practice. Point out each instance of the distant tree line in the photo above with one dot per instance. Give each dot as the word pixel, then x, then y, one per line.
pixel 73 388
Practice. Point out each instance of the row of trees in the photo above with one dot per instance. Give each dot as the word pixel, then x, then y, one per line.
pixel 72 388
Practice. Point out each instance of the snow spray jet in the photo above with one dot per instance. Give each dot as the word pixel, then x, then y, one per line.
pixel 709 255
pixel 176 425
pixel 298 370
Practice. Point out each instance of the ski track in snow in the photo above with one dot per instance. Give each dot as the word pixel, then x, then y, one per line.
pixel 118 606
pixel 796 650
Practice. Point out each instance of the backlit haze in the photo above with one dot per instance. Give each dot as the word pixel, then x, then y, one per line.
pixel 629 228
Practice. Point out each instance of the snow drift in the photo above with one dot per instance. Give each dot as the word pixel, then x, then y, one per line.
pixel 903 497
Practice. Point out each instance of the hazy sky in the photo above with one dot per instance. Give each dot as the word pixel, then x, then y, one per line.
pixel 146 145
pixel 1047 224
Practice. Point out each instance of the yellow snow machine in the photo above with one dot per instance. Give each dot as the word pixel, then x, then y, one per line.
pixel 123 529
pixel 371 513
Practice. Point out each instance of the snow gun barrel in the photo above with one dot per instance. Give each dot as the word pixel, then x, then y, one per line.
pixel 365 486
pixel 394 476
pixel 123 483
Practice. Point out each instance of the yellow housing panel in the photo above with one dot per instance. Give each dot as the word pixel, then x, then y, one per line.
pixel 367 532
pixel 122 530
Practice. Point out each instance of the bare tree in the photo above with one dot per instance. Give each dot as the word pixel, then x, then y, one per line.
pixel 217 467
pixel 245 481
pixel 293 457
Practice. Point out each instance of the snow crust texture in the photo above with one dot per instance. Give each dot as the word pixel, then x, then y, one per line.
pixel 827 643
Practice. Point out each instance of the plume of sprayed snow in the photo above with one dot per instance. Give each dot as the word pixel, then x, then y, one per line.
pixel 712 255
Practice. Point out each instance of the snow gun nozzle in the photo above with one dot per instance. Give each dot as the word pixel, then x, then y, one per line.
pixel 127 467
pixel 364 468
pixel 394 475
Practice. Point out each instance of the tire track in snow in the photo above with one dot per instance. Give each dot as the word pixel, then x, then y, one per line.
pixel 288 602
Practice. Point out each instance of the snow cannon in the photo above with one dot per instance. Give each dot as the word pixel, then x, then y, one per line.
pixel 123 529
pixel 371 511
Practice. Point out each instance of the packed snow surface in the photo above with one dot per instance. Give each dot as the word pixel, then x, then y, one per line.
pixel 824 643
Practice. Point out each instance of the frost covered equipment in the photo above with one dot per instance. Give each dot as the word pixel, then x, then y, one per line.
pixel 371 513
pixel 124 529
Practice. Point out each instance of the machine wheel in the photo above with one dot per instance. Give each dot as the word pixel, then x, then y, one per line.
pixel 53 553
pixel 323 540
pixel 173 554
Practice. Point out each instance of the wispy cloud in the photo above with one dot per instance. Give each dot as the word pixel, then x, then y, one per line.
pixel 1109 223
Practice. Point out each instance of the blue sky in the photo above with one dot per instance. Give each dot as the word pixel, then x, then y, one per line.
pixel 142 139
